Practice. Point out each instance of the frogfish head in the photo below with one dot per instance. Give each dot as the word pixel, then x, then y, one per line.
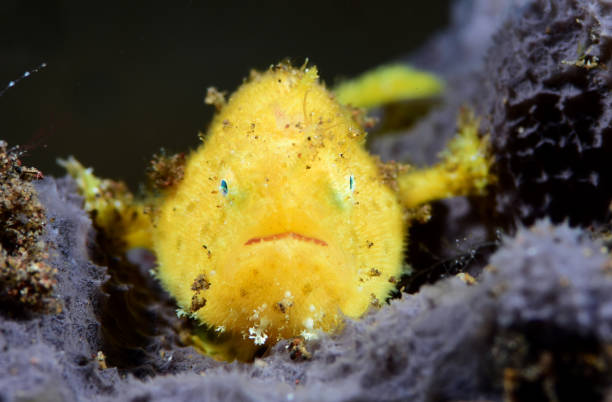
pixel 282 224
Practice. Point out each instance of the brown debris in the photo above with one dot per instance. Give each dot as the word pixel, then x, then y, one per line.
pixel 420 214
pixel 197 302
pixel 216 98
pixel 374 272
pixel 361 117
pixel 390 172
pixel 166 171
pixel 297 350
pixel 101 359
pixel 26 279
pixel 200 284
pixel 374 301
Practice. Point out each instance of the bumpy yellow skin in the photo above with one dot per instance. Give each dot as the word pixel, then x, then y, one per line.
pixel 283 223
pixel 305 233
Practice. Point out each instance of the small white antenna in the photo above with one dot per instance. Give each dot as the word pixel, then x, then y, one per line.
pixel 25 75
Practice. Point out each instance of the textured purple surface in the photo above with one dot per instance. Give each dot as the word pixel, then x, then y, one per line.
pixel 445 342
pixel 51 356
pixel 541 314
pixel 548 289
pixel 551 119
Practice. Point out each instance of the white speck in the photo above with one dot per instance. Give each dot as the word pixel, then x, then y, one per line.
pixel 308 323
pixel 287 294
pixel 260 363
pixel 259 337
pixel 213 272
pixel 26 74
pixel 220 328
pixel 290 396
pixel 312 307
pixel 11 84
pixel 308 336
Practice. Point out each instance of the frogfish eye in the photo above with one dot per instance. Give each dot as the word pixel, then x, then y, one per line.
pixel 223 187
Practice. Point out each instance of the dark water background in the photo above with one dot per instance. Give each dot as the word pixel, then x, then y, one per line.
pixel 121 83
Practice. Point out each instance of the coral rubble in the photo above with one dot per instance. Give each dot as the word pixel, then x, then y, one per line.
pixel 26 280
pixel 53 355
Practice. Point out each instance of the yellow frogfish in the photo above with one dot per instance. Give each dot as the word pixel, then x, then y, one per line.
pixel 283 223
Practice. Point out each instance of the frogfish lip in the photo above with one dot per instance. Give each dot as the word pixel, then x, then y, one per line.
pixel 284 235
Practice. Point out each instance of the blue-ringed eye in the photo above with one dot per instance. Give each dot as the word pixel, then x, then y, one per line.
pixel 223 187
pixel 351 183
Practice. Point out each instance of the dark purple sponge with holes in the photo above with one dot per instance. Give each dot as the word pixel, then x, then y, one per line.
pixel 549 103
